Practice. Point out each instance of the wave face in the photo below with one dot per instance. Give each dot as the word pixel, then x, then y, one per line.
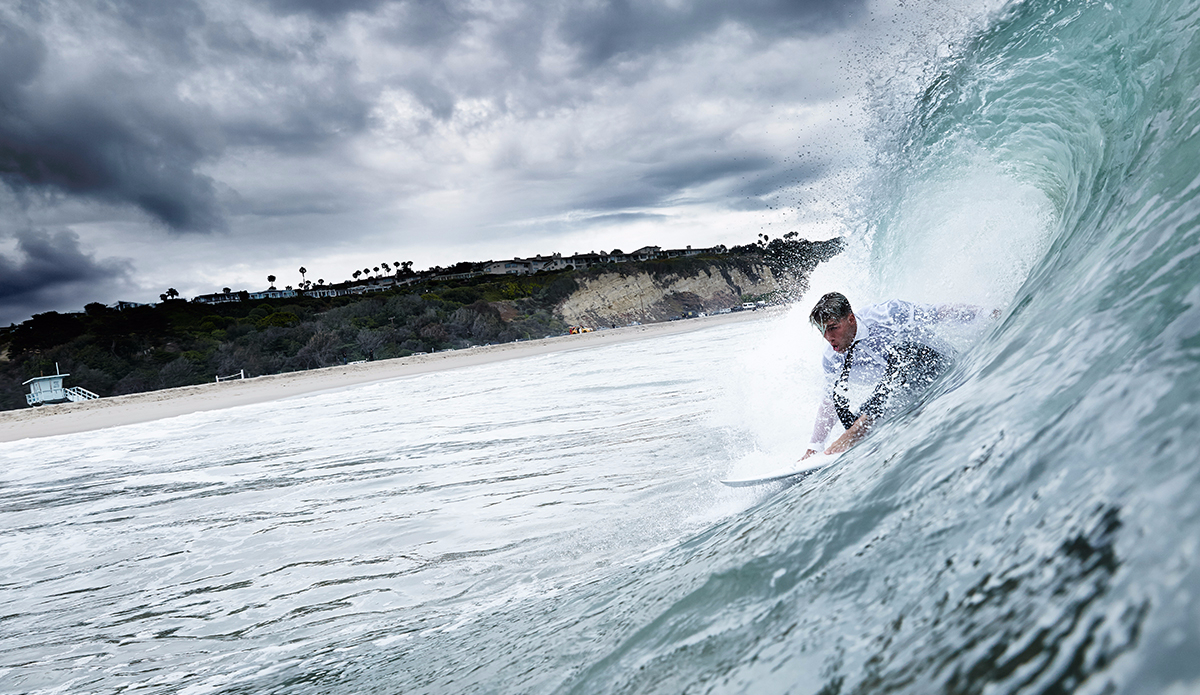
pixel 1034 526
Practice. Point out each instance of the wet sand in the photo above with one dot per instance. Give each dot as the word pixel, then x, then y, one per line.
pixel 68 418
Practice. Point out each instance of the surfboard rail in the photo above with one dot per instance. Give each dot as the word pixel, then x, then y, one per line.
pixel 792 475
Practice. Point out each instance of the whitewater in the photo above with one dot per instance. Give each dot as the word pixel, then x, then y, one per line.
pixel 555 524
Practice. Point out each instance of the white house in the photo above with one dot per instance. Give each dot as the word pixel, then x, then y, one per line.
pixel 219 298
pixel 526 266
pixel 121 306
pixel 515 266
pixel 646 253
pixel 274 294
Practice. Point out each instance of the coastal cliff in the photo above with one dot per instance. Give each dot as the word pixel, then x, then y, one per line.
pixel 614 295
pixel 620 298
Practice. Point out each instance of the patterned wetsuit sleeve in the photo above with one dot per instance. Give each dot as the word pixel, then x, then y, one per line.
pixel 872 408
pixel 892 379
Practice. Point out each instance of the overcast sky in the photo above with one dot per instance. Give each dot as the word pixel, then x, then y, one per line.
pixel 201 144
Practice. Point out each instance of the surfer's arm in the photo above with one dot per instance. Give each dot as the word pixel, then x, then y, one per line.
pixel 871 410
pixel 851 436
pixel 824 423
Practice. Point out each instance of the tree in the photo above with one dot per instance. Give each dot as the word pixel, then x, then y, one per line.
pixel 172 293
pixel 303 270
pixel 226 290
pixel 271 280
pixel 357 273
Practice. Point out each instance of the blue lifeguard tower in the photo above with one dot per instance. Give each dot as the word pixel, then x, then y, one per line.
pixel 49 389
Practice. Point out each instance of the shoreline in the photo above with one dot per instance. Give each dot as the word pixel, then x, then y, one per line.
pixel 86 416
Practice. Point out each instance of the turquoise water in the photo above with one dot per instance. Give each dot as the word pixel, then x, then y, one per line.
pixel 554 524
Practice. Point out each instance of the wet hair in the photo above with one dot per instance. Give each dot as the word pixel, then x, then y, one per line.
pixel 832 307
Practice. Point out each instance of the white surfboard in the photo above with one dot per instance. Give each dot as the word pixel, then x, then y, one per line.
pixel 793 474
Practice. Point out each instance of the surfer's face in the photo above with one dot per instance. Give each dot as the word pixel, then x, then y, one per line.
pixel 841 333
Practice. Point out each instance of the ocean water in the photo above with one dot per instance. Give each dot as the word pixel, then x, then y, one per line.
pixel 554 524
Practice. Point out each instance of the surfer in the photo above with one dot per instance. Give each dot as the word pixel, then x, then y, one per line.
pixel 891 346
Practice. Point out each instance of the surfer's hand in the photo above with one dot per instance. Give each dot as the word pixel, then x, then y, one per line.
pixel 808 453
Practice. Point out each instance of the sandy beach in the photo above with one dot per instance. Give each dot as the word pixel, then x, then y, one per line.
pixel 68 418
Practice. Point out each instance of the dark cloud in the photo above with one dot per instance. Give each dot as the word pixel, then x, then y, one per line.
pixel 427 23
pixel 622 27
pixel 439 100
pixel 768 182
pixel 112 139
pixel 684 172
pixel 119 129
pixel 165 26
pixel 517 40
pixel 54 273
pixel 619 217
pixel 325 8
pixel 735 175
pixel 21 57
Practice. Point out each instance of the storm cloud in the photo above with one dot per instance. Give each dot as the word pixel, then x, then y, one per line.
pixel 621 27
pixel 135 123
pixel 52 269
pixel 114 138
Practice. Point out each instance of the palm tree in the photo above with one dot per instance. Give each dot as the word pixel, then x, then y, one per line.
pixel 357 273
pixel 303 270
pixel 271 280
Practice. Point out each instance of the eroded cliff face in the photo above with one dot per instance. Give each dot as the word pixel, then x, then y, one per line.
pixel 619 298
